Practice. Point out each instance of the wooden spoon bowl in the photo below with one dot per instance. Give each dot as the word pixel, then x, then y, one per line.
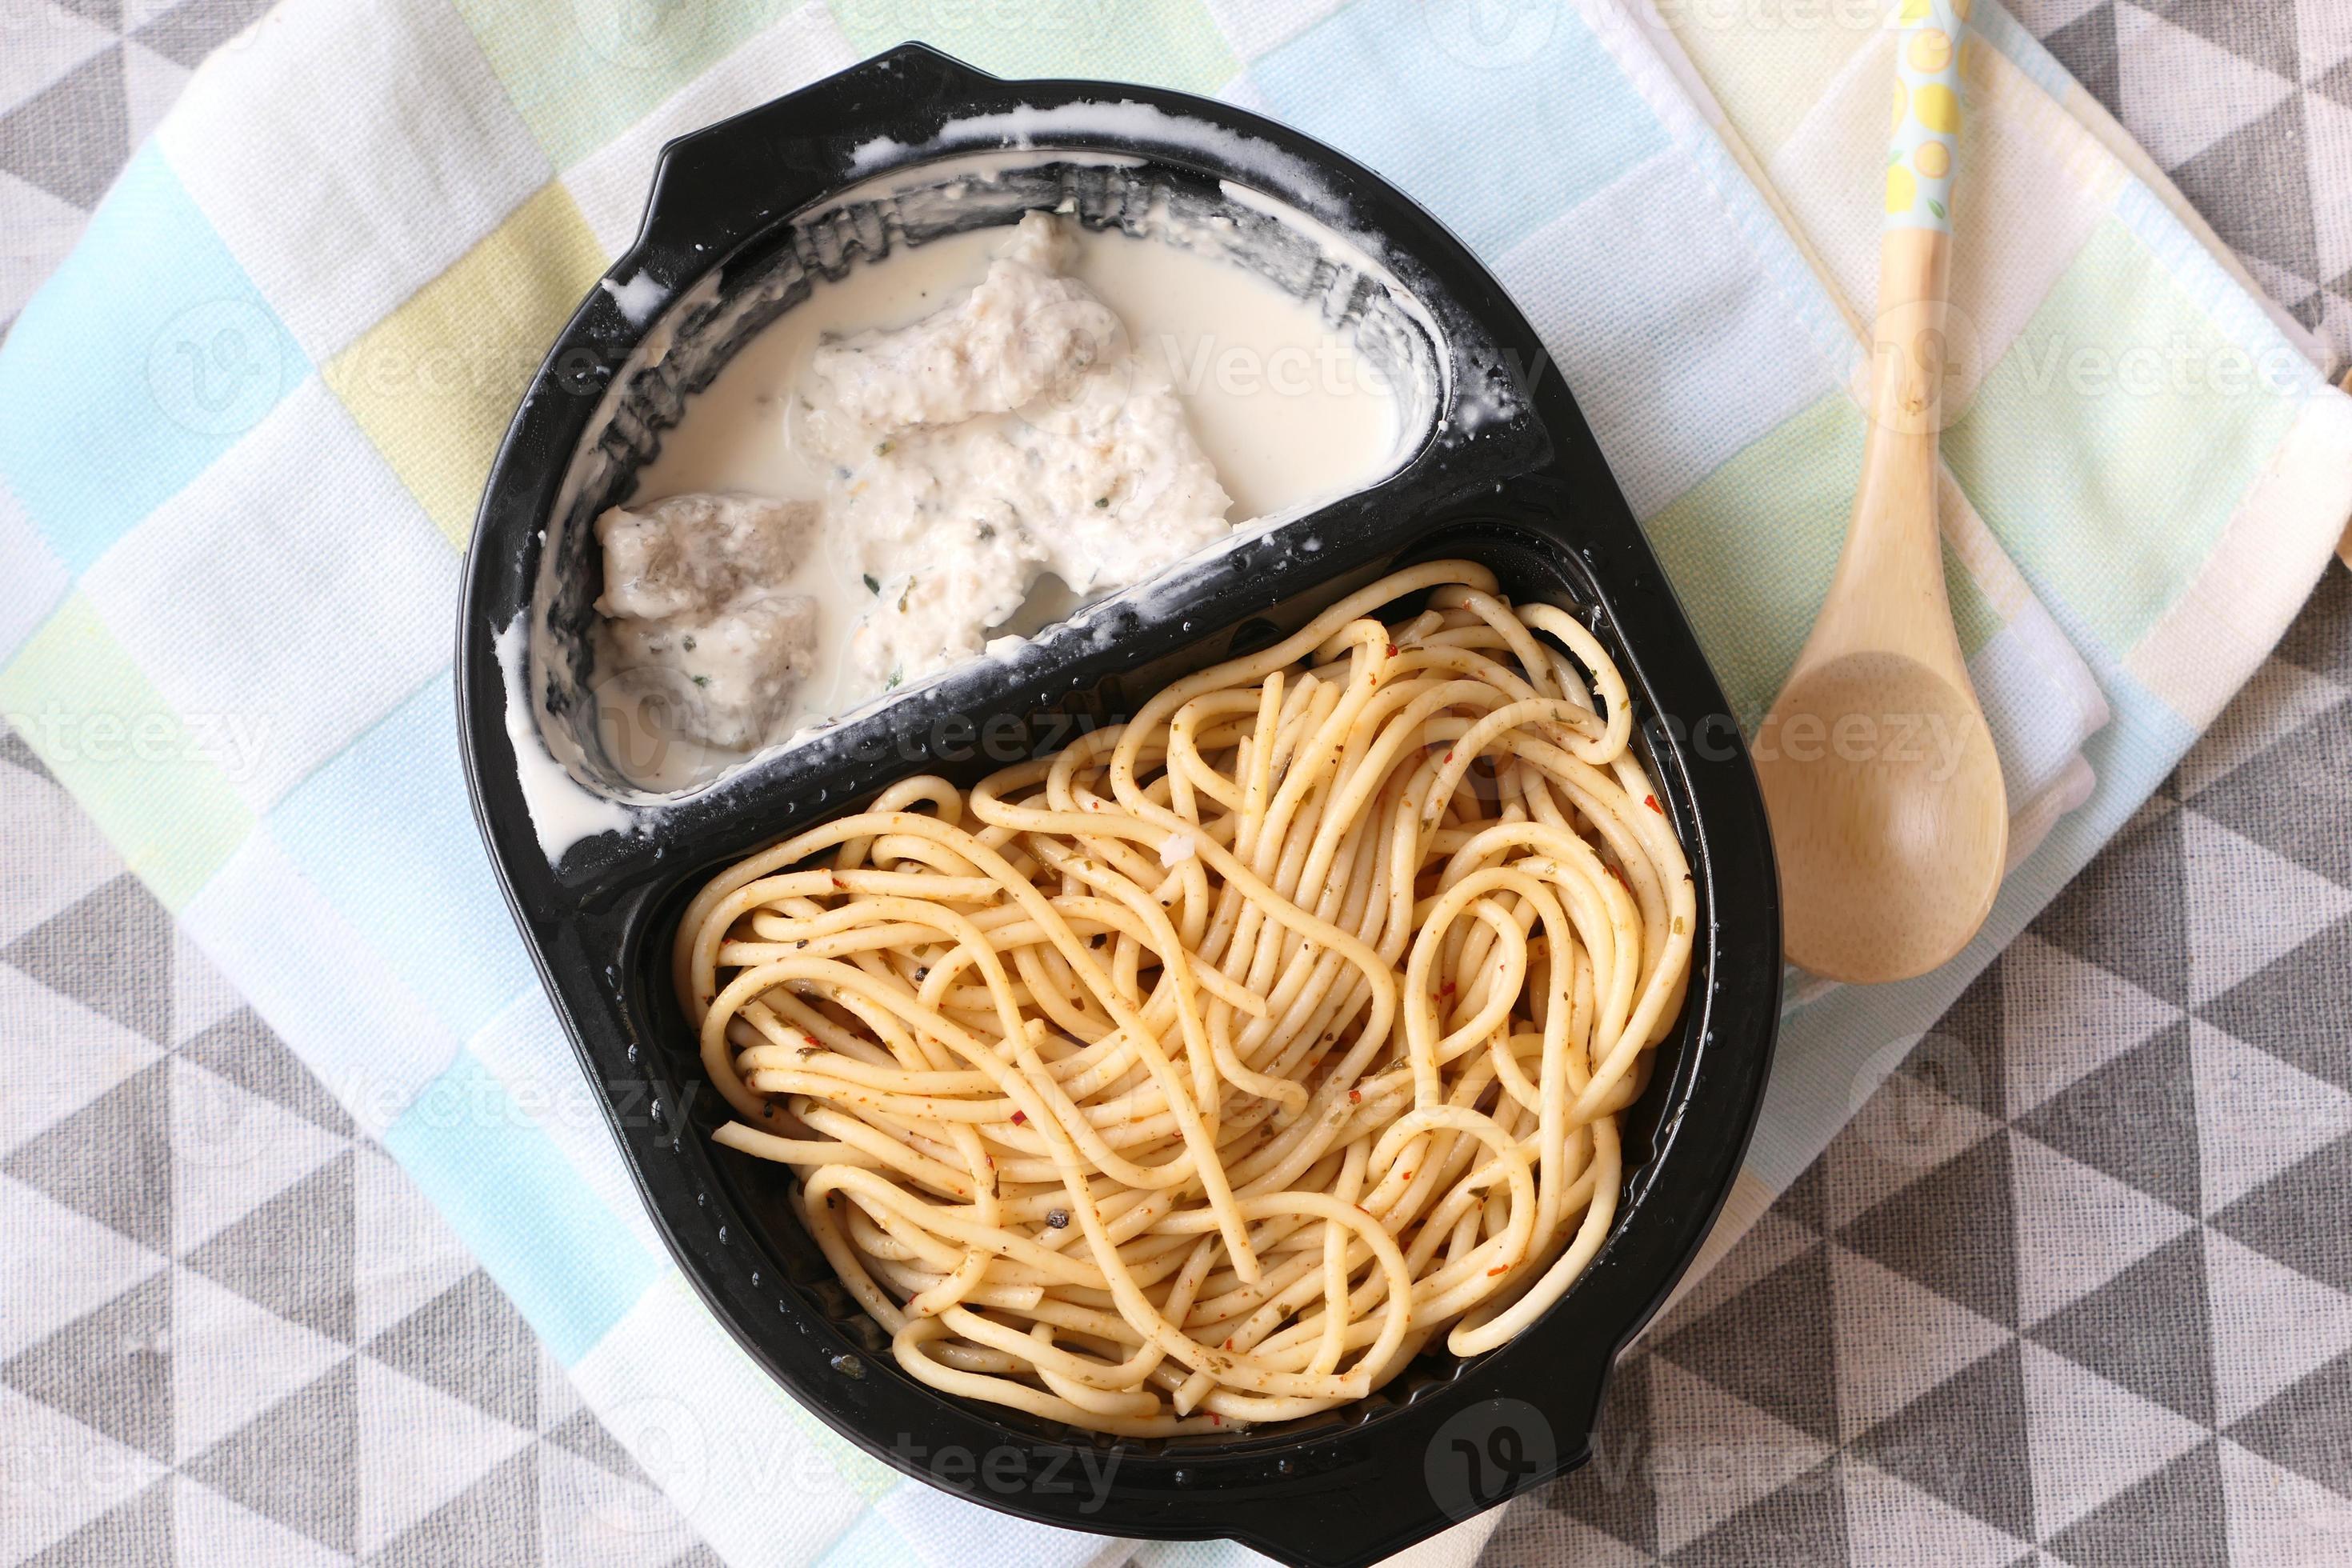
pixel 1888 808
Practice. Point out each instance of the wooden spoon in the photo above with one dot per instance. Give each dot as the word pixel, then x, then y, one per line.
pixel 1888 811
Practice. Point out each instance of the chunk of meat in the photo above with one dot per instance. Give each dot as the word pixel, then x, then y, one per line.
pixel 1022 333
pixel 693 555
pixel 934 617
pixel 726 678
pixel 695 620
pixel 1010 433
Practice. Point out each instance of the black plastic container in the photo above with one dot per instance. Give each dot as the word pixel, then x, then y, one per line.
pixel 1509 477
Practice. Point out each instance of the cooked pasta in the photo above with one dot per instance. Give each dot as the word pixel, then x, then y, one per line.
pixel 1202 1074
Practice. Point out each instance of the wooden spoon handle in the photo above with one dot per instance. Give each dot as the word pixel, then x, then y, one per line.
pixel 1922 156
pixel 1890 577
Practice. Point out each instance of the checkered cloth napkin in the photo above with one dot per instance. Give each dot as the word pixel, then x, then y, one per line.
pixel 248 419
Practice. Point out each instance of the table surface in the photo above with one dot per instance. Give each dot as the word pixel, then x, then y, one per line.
pixel 2077 1279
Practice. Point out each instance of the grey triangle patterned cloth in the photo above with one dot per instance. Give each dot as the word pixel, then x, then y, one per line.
pixel 2075 1286
pixel 231 1330
pixel 2247 104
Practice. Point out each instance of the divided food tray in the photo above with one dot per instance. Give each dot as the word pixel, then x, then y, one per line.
pixel 747 215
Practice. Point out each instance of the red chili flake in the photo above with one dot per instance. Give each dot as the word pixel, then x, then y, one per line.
pixel 1355 1097
pixel 1652 802
pixel 1447 989
pixel 1506 1269
pixel 1020 1117
pixel 1449 756
pixel 1392 651
pixel 1215 1419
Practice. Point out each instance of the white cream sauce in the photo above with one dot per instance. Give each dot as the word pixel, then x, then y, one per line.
pixel 1065 420
pixel 561 812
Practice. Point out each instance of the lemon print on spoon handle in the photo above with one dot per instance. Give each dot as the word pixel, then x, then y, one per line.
pixel 1922 154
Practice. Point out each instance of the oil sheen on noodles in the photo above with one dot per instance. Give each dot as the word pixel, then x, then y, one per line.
pixel 1204 1073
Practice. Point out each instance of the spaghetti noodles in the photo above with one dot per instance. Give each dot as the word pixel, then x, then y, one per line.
pixel 1203 1073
